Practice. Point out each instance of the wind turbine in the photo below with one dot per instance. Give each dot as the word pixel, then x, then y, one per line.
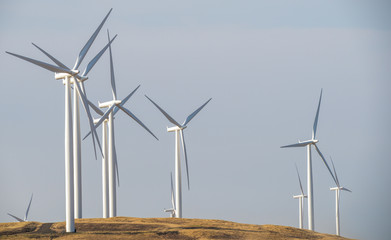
pixel 105 179
pixel 110 156
pixel 171 210
pixel 25 215
pixel 105 166
pixel 300 197
pixel 308 144
pixel 72 145
pixel 178 129
pixel 337 190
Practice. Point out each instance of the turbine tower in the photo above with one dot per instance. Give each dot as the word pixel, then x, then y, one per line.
pixel 337 190
pixel 109 161
pixel 300 197
pixel 178 129
pixel 308 144
pixel 26 214
pixel 171 210
pixel 72 144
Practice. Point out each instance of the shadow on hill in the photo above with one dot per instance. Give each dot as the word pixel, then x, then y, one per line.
pixel 45 229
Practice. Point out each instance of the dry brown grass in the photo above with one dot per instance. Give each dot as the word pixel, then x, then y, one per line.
pixel 155 228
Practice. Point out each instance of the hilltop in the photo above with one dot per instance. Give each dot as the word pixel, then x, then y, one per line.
pixel 155 228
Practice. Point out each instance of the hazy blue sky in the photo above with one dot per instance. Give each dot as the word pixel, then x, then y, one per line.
pixel 262 62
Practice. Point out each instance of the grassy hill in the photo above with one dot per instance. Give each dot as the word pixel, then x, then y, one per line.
pixel 155 228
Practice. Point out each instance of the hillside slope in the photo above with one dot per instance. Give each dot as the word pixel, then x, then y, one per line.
pixel 155 228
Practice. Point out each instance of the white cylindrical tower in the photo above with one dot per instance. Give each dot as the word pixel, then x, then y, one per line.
pixel 337 211
pixel 178 178
pixel 112 186
pixel 311 225
pixel 105 179
pixel 301 211
pixel 69 194
pixel 77 153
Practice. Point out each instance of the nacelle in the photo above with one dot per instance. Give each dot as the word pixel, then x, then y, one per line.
pixel 59 76
pixel 175 128
pixel 109 103
pixel 309 141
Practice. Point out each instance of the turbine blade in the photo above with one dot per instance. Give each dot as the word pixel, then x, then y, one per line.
pixel 335 172
pixel 91 105
pixel 104 117
pixel 83 89
pixel 191 116
pixel 20 220
pixel 316 117
pixel 86 47
pixel 126 99
pixel 115 156
pixel 88 134
pixel 164 113
pixel 92 63
pixel 172 194
pixel 28 208
pixel 96 109
pixel 81 94
pixel 47 66
pixel 60 64
pixel 130 114
pixel 325 163
pixel 184 150
pixel 113 88
pixel 298 176
pixel 90 120
pixel 295 145
pixel 346 189
pixel 116 167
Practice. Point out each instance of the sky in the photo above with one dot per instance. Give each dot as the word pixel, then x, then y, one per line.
pixel 263 63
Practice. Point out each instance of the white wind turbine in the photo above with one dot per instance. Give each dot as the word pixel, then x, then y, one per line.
pixel 178 129
pixel 300 197
pixel 337 190
pixel 109 161
pixel 308 144
pixel 171 210
pixel 105 179
pixel 25 215
pixel 72 145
